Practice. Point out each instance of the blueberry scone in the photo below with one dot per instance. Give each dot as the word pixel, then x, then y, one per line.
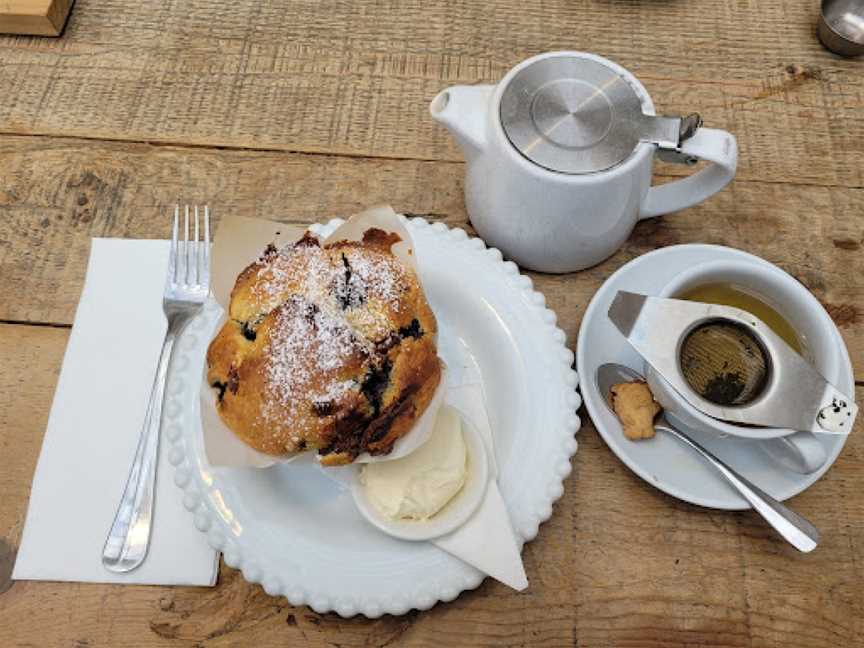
pixel 328 348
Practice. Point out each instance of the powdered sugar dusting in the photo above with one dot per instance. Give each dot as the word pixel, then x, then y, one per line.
pixel 305 343
pixel 382 277
pixel 294 269
pixel 325 326
pixel 346 276
pixel 335 391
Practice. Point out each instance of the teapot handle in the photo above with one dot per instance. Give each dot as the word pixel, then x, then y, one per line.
pixel 716 146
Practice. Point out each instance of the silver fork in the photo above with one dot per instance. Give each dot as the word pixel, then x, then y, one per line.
pixel 186 289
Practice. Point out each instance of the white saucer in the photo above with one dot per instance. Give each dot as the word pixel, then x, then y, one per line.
pixel 664 462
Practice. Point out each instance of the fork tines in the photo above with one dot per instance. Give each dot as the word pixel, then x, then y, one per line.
pixel 190 258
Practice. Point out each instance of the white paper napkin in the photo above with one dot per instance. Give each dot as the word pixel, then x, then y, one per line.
pixel 93 430
pixel 486 541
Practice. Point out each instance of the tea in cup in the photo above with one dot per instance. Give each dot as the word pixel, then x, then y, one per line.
pixel 792 312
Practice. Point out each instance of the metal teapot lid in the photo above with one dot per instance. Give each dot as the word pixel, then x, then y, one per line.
pixel 576 115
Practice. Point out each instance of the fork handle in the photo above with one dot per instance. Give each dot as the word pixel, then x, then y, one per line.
pixel 129 538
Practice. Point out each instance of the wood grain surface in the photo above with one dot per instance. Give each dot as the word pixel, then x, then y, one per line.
pixel 618 564
pixel 301 111
pixel 116 189
pixel 357 78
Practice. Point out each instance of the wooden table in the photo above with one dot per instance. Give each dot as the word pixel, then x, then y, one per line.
pixel 305 110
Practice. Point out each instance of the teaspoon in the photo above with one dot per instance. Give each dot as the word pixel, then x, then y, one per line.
pixel 798 531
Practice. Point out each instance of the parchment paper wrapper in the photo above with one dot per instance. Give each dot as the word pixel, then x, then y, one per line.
pixel 240 241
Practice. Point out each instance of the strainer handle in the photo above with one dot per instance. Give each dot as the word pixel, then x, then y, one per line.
pixel 715 146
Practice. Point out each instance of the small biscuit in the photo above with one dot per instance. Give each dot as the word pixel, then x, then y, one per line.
pixel 636 408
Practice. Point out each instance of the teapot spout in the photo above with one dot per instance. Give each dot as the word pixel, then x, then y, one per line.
pixel 462 109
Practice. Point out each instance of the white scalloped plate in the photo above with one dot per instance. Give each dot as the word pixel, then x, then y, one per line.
pixel 298 532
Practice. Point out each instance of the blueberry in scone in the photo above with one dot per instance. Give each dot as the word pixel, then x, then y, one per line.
pixel 328 348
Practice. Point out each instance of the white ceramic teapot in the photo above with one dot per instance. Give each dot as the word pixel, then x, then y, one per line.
pixel 559 158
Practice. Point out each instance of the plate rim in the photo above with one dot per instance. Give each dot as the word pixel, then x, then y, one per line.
pixel 634 466
pixel 209 522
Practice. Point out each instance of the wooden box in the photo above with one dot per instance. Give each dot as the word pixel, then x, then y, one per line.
pixel 34 17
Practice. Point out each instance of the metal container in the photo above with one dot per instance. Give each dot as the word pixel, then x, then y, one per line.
pixel 788 393
pixel 573 115
pixel 841 26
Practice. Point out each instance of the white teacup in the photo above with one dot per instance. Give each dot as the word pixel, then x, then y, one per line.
pixel 800 451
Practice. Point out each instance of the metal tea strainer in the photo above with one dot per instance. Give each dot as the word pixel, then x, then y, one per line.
pixel 730 365
pixel 576 115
